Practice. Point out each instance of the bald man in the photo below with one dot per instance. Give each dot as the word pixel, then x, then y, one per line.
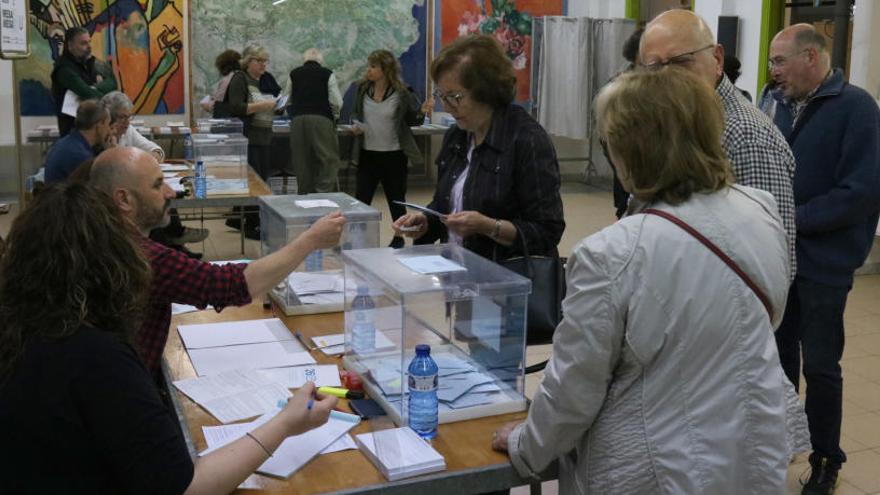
pixel 133 178
pixel 758 153
pixel 834 130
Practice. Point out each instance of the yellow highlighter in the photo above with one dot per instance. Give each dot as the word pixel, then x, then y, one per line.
pixel 342 393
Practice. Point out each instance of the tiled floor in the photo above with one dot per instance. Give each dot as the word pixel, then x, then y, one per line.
pixel 587 210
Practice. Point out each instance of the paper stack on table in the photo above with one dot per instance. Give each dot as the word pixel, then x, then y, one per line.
pixel 401 453
pixel 317 287
pixel 217 347
pixel 234 395
pixel 334 344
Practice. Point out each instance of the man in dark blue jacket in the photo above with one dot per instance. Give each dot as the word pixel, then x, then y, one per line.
pixel 834 131
pixel 91 129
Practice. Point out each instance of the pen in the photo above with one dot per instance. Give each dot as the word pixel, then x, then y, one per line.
pixel 342 393
pixel 301 338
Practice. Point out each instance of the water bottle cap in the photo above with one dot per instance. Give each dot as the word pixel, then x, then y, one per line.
pixel 423 349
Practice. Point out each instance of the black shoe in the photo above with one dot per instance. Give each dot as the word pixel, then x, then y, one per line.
pixel 823 476
pixel 397 242
pixel 252 232
pixel 191 254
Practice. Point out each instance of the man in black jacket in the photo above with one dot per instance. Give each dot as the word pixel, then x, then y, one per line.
pixel 77 71
pixel 314 107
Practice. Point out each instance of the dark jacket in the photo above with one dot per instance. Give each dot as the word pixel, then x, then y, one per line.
pixel 308 91
pixel 237 98
pixel 409 113
pixel 514 176
pixel 66 155
pixel 79 76
pixel 836 144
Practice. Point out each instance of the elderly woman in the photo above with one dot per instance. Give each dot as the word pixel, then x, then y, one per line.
pixel 69 375
pixel 120 107
pixel 664 375
pixel 386 109
pixel 226 64
pixel 498 178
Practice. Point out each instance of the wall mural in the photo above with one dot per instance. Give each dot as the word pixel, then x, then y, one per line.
pixel 141 40
pixel 508 21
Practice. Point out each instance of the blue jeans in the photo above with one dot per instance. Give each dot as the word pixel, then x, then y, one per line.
pixel 813 328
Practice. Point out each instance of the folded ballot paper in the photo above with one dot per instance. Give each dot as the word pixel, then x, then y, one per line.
pixel 401 453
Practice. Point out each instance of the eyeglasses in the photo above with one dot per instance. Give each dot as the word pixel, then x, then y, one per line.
pixel 453 100
pixel 682 59
pixel 261 60
pixel 781 61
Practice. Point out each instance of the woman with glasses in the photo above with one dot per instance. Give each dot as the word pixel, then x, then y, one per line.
pixel 251 96
pixel 498 177
pixel 664 376
pixel 384 109
pixel 79 412
pixel 119 106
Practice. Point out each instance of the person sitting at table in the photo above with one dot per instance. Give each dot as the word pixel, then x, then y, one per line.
pixel 133 179
pixel 91 129
pixel 175 234
pixel 664 375
pixel 498 177
pixel 78 410
pixel 384 142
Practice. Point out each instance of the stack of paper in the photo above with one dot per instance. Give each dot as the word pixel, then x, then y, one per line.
pixel 317 287
pixel 400 453
pixel 334 344
pixel 294 452
pixel 234 395
pixel 217 347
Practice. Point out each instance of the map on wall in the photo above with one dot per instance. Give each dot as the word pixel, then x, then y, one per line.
pixel 141 41
pixel 508 21
pixel 345 32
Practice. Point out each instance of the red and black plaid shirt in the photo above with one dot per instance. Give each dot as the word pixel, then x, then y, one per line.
pixel 177 278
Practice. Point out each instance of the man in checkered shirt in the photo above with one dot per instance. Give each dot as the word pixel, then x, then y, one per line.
pixel 758 153
pixel 134 181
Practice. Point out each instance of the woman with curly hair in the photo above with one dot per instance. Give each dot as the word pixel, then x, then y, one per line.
pixel 226 63
pixel 79 413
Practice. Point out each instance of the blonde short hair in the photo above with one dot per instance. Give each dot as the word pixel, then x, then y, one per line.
pixel 251 52
pixel 313 55
pixel 665 126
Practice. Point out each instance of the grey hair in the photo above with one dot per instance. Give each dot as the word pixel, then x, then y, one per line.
pixel 810 37
pixel 251 52
pixel 115 102
pixel 313 55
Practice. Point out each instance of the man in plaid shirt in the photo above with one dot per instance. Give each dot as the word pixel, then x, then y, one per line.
pixel 134 180
pixel 759 154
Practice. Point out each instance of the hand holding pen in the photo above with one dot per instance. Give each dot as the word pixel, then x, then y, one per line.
pixel 307 409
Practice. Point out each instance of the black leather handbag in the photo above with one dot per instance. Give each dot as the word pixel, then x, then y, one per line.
pixel 547 274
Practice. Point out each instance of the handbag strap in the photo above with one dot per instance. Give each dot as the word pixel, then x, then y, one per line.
pixel 718 252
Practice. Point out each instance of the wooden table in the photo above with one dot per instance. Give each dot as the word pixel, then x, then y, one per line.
pixel 220 204
pixel 471 465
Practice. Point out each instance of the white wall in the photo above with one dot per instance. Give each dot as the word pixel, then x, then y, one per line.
pixel 749 38
pixel 865 62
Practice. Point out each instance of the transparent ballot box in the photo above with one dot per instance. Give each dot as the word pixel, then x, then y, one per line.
pixel 316 286
pixel 219 126
pixel 225 157
pixel 470 310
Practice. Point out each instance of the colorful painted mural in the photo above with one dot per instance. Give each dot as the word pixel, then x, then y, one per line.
pixel 142 40
pixel 509 21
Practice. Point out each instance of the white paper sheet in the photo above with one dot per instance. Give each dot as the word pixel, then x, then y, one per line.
pixel 423 209
pixel 431 264
pixel 213 360
pixel 296 451
pixel 234 333
pixel 173 167
pixel 345 442
pixel 316 203
pixel 324 375
pixel 70 104
pixel 235 394
pixel 334 344
pixel 304 283
pixel 402 454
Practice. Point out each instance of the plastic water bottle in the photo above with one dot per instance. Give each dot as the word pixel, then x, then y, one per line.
pixel 315 261
pixel 363 330
pixel 187 147
pixel 423 372
pixel 201 180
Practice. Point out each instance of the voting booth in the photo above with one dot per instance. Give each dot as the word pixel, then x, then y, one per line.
pixel 470 310
pixel 316 286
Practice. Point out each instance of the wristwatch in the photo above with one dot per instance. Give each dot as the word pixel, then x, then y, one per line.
pixel 497 231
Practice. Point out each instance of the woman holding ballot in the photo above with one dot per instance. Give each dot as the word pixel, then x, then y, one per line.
pixel 498 177
pixel 384 109
pixel 79 413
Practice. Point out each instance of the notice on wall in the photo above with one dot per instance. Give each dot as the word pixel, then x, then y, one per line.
pixel 13 28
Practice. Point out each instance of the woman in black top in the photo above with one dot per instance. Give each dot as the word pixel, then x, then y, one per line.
pixel 79 413
pixel 498 177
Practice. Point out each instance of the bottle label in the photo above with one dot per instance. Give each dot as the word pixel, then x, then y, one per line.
pixel 423 383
